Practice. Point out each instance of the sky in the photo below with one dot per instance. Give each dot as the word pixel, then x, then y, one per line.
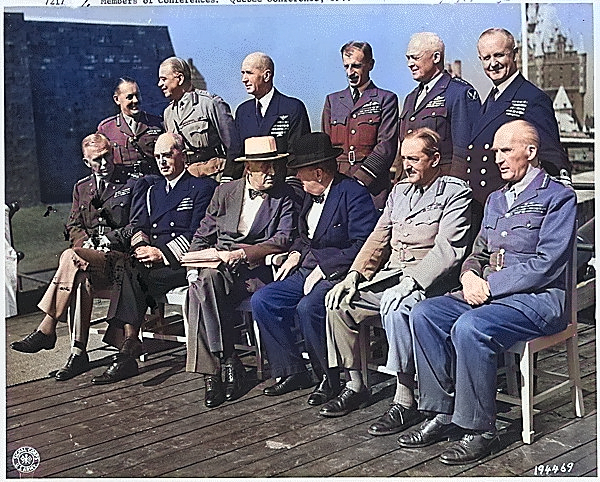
pixel 304 39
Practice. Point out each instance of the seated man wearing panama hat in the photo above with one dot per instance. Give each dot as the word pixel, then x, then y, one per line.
pixel 336 218
pixel 247 219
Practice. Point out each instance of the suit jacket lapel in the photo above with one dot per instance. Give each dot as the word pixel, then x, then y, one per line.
pixel 498 107
pixel 272 113
pixel 265 214
pixel 166 202
pixel 233 205
pixel 346 99
pixel 439 87
pixel 331 204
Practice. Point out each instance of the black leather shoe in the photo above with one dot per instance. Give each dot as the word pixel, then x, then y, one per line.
pixel 345 402
pixel 213 392
pixel 297 381
pixel 132 347
pixel 123 367
pixel 431 431
pixel 396 419
pixel 323 393
pixel 34 342
pixel 471 448
pixel 76 365
pixel 234 378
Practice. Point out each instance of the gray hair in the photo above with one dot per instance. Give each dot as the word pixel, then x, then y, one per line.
pixel 431 41
pixel 178 66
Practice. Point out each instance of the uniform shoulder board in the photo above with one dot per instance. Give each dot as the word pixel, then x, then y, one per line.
pixel 460 81
pixel 85 180
pixel 455 181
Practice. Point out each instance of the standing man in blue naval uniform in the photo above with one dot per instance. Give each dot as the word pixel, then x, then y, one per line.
pixel 202 119
pixel 335 220
pixel 512 98
pixel 513 290
pixel 132 132
pixel 172 210
pixel 268 113
pixel 446 105
pixel 362 120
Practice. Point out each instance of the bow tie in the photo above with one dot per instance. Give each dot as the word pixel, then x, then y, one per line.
pixel 318 199
pixel 254 193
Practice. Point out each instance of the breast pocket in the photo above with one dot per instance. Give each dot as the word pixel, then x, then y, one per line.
pixel 196 132
pixel 338 131
pixel 437 119
pixel 427 222
pixel 524 231
pixel 368 127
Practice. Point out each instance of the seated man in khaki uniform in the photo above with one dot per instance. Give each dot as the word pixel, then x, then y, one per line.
pixel 419 240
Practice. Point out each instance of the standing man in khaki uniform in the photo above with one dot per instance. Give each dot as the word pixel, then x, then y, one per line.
pixel 419 240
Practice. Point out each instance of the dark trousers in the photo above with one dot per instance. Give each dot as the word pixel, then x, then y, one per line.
pixel 456 349
pixel 274 308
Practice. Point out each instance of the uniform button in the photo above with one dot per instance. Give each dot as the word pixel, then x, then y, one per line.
pixel 408 221
pixel 351 148
pixel 370 121
pixel 468 170
pixel 405 234
pixel 409 131
pixel 504 234
pixel 470 146
pixel 483 171
pixel 334 122
pixel 172 235
pixel 468 158
pixel 432 114
pixel 154 236
pixel 502 251
pixel 507 215
pixel 155 225
pixel 403 265
pixel 487 146
pixel 354 116
pixel 121 204
pixel 469 182
pixel 101 218
pixel 528 225
pixel 171 223
pixel 412 118
pixel 353 131
pixel 482 183
pixel 484 158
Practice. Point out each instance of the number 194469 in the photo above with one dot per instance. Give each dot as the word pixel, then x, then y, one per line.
pixel 553 469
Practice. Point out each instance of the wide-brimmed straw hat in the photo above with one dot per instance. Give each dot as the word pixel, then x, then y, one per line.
pixel 312 149
pixel 261 149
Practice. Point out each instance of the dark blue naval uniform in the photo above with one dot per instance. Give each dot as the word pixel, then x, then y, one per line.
pixel 522 252
pixel 286 120
pixel 520 100
pixel 450 108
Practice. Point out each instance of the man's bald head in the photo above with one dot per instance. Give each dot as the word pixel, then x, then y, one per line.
pixel 516 146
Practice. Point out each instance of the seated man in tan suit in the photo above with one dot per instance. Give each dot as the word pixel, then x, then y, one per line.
pixel 419 240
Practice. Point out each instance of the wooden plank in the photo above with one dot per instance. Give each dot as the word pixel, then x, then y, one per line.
pixel 574 463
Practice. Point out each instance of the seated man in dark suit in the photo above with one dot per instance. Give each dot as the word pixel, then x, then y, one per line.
pixel 247 219
pixel 171 213
pixel 513 290
pixel 99 233
pixel 335 220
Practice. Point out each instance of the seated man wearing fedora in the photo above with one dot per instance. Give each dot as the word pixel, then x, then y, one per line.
pixel 336 218
pixel 247 219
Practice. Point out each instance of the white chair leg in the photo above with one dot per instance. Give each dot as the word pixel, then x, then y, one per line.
pixel 526 366
pixel 259 357
pixel 575 376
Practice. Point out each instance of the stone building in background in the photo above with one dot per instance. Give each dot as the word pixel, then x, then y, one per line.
pixel 59 79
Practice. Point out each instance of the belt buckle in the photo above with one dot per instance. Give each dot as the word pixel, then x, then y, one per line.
pixel 500 260
pixel 352 158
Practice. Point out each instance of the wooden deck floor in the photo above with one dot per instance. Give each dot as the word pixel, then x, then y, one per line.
pixel 155 425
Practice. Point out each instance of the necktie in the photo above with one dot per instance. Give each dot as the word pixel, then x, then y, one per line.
pixel 491 99
pixel 416 195
pixel 318 199
pixel 423 90
pixel 355 95
pixel 133 126
pixel 168 187
pixel 254 193
pixel 259 116
pixel 511 196
pixel 101 187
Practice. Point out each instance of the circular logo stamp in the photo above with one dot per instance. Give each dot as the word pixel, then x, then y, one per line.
pixel 26 459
